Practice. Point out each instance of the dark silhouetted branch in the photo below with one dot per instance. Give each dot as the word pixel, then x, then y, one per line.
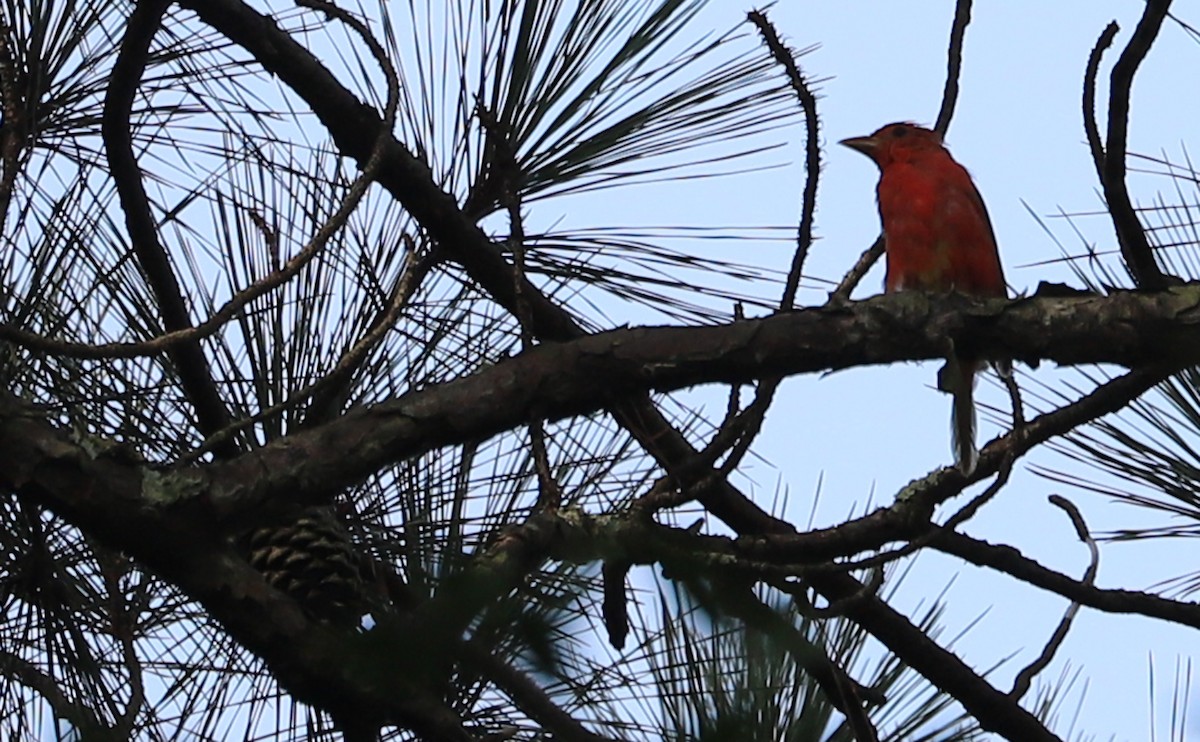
pixel 188 358
pixel 1089 96
pixel 812 150
pixel 958 33
pixel 1135 247
pixel 1012 562
pixel 1024 679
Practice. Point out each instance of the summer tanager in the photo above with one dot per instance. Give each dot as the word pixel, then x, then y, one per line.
pixel 937 237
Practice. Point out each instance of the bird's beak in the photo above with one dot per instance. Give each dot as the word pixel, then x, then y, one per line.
pixel 866 145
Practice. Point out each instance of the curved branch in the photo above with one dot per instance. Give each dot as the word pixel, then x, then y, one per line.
pixel 558 380
pixel 738 433
pixel 85 720
pixel 958 32
pixel 189 359
pixel 812 150
pixel 1089 96
pixel 1024 679
pixel 1135 247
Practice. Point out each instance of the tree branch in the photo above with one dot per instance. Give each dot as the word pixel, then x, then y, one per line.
pixel 558 380
pixel 958 33
pixel 1024 679
pixel 85 720
pixel 1089 96
pixel 994 710
pixel 102 494
pixel 188 358
pixel 1012 562
pixel 812 150
pixel 1135 247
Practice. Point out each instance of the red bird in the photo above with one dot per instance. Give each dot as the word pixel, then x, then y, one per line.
pixel 937 237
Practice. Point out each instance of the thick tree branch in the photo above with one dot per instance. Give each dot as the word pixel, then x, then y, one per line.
pixel 105 497
pixel 559 380
pixel 102 494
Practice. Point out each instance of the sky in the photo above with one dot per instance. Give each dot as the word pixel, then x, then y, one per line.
pixel 859 436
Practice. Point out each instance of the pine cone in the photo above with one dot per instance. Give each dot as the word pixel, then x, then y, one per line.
pixel 312 559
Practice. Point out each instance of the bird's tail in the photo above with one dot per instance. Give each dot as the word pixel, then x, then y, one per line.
pixel 957 378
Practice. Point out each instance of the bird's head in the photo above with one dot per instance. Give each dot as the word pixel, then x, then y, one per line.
pixel 896 142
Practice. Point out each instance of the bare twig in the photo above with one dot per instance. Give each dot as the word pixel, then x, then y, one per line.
pixel 812 161
pixel 1135 247
pixel 1089 95
pixel 861 267
pixel 738 433
pixel 1025 677
pixel 123 622
pixel 507 173
pixel 1008 560
pixel 329 393
pixel 1014 396
pixel 958 32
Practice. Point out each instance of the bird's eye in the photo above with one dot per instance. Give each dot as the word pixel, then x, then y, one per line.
pixel 900 131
